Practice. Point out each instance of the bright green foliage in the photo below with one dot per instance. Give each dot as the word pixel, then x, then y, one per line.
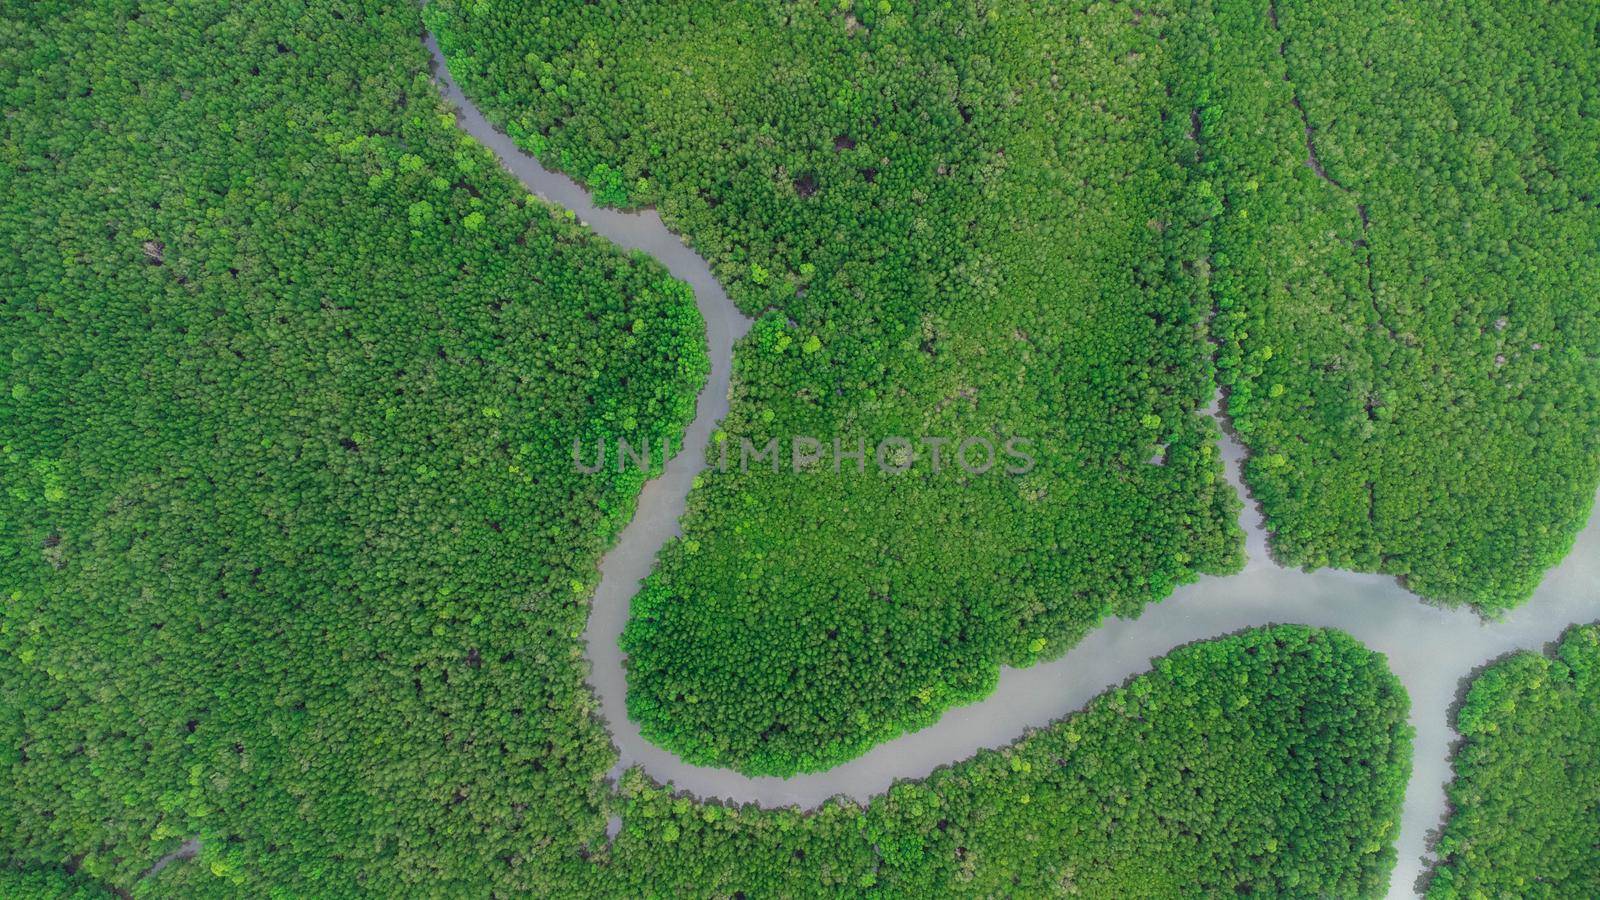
pixel 1526 795
pixel 1272 762
pixel 29 883
pixel 1406 276
pixel 291 530
pixel 962 222
pixel 1212 775
pixel 294 560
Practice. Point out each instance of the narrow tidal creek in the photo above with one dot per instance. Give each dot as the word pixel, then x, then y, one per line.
pixel 1429 649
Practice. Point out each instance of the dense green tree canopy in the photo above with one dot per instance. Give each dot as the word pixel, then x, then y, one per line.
pixel 41 883
pixel 972 219
pixel 960 221
pixel 1526 796
pixel 1272 763
pixel 293 549
pixel 1406 276
pixel 295 562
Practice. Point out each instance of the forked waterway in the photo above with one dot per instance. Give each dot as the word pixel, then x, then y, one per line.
pixel 1430 649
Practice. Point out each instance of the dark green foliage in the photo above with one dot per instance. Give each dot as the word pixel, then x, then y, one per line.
pixel 294 553
pixel 1272 762
pixel 1411 336
pixel 1526 796
pixel 965 221
pixel 38 883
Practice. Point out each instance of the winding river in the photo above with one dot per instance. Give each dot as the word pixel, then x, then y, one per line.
pixel 1429 648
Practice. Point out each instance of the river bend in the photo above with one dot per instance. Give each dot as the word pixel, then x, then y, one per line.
pixel 1429 649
